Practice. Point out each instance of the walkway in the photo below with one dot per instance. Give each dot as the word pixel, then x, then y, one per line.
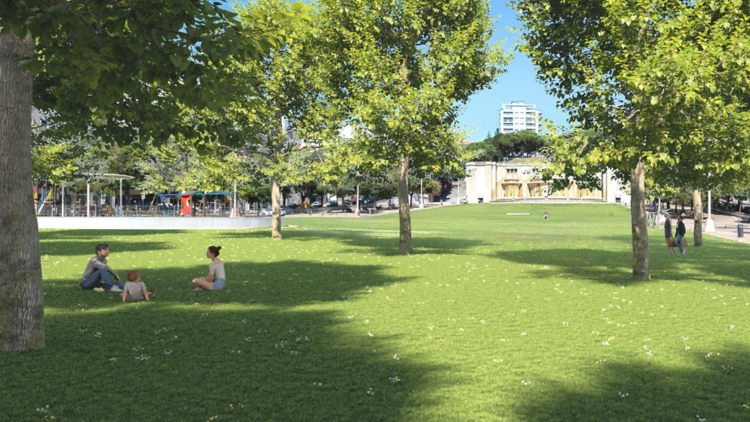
pixel 724 223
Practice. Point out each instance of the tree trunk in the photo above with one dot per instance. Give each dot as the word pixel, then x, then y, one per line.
pixel 639 225
pixel 276 201
pixel 697 218
pixel 404 214
pixel 21 306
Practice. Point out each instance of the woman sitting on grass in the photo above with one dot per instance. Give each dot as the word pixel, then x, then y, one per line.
pixel 216 278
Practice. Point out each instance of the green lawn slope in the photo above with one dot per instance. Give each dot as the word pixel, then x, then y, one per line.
pixel 494 318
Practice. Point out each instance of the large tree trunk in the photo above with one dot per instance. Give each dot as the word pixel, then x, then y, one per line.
pixel 21 307
pixel 639 225
pixel 697 218
pixel 404 215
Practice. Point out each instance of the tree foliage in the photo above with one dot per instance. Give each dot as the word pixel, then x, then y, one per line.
pixel 406 67
pixel 662 83
pixel 503 146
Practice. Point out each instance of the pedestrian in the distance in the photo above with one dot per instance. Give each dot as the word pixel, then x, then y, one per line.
pixel 668 233
pixel 546 217
pixel 680 235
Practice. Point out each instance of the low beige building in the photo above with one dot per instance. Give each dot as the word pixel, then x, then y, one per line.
pixel 519 179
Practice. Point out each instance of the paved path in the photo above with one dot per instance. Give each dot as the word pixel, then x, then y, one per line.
pixel 724 223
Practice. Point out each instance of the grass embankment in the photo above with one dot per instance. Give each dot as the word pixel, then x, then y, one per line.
pixel 494 317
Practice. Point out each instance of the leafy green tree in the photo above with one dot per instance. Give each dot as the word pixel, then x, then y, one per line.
pixel 655 80
pixel 406 67
pixel 502 146
pixel 149 58
pixel 276 124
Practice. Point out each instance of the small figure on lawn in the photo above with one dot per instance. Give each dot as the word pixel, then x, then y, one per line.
pixel 680 235
pixel 216 278
pixel 668 233
pixel 135 289
pixel 98 275
pixel 546 217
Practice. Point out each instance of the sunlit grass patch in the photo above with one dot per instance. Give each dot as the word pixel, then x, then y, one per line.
pixel 494 317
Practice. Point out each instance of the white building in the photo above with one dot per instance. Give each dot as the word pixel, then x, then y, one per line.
pixel 519 180
pixel 518 116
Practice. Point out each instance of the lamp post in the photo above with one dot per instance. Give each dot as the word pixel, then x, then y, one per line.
pixel 120 197
pixel 88 199
pixel 356 212
pixel 421 194
pixel 62 197
pixel 710 222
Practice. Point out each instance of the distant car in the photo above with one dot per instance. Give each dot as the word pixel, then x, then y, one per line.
pixel 464 201
pixel 268 212
pixel 315 204
pixel 332 204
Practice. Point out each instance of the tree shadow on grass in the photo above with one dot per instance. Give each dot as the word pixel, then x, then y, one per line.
pixel 359 240
pixel 189 355
pixel 705 388
pixel 712 262
pixel 69 247
pixel 286 284
pixel 159 363
pixel 48 234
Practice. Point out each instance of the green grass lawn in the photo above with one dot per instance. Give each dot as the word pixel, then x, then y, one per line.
pixel 494 317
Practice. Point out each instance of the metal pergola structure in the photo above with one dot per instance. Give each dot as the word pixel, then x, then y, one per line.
pixel 105 176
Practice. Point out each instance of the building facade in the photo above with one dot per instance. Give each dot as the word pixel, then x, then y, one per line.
pixel 519 180
pixel 517 116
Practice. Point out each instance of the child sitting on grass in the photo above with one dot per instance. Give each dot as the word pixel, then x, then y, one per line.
pixel 135 289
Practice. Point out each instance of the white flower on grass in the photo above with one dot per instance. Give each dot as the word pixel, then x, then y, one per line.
pixel 700 419
pixel 370 392
pixel 370 334
pixel 524 382
pixel 622 395
pixel 396 357
pixel 687 348
pixel 731 327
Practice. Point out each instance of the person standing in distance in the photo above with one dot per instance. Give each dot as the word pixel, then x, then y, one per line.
pixel 680 235
pixel 216 278
pixel 98 275
pixel 668 233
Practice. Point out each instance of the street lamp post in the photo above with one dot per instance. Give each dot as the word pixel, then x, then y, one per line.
pixel 421 194
pixel 356 212
pixel 710 222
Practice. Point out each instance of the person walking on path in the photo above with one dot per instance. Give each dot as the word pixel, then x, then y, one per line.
pixel 668 233
pixel 216 278
pixel 98 275
pixel 680 234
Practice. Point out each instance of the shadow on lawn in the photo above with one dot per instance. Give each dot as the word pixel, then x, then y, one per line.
pixel 712 262
pixel 380 245
pixel 249 344
pixel 95 235
pixel 707 388
pixel 69 247
pixel 83 242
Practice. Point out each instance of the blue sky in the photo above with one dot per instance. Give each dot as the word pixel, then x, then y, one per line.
pixel 518 83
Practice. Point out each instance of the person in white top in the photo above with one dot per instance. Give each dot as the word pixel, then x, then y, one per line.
pixel 216 278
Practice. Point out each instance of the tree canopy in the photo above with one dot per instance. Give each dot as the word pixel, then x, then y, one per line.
pixel 658 81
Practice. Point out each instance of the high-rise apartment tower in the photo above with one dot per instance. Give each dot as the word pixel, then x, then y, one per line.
pixel 518 115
